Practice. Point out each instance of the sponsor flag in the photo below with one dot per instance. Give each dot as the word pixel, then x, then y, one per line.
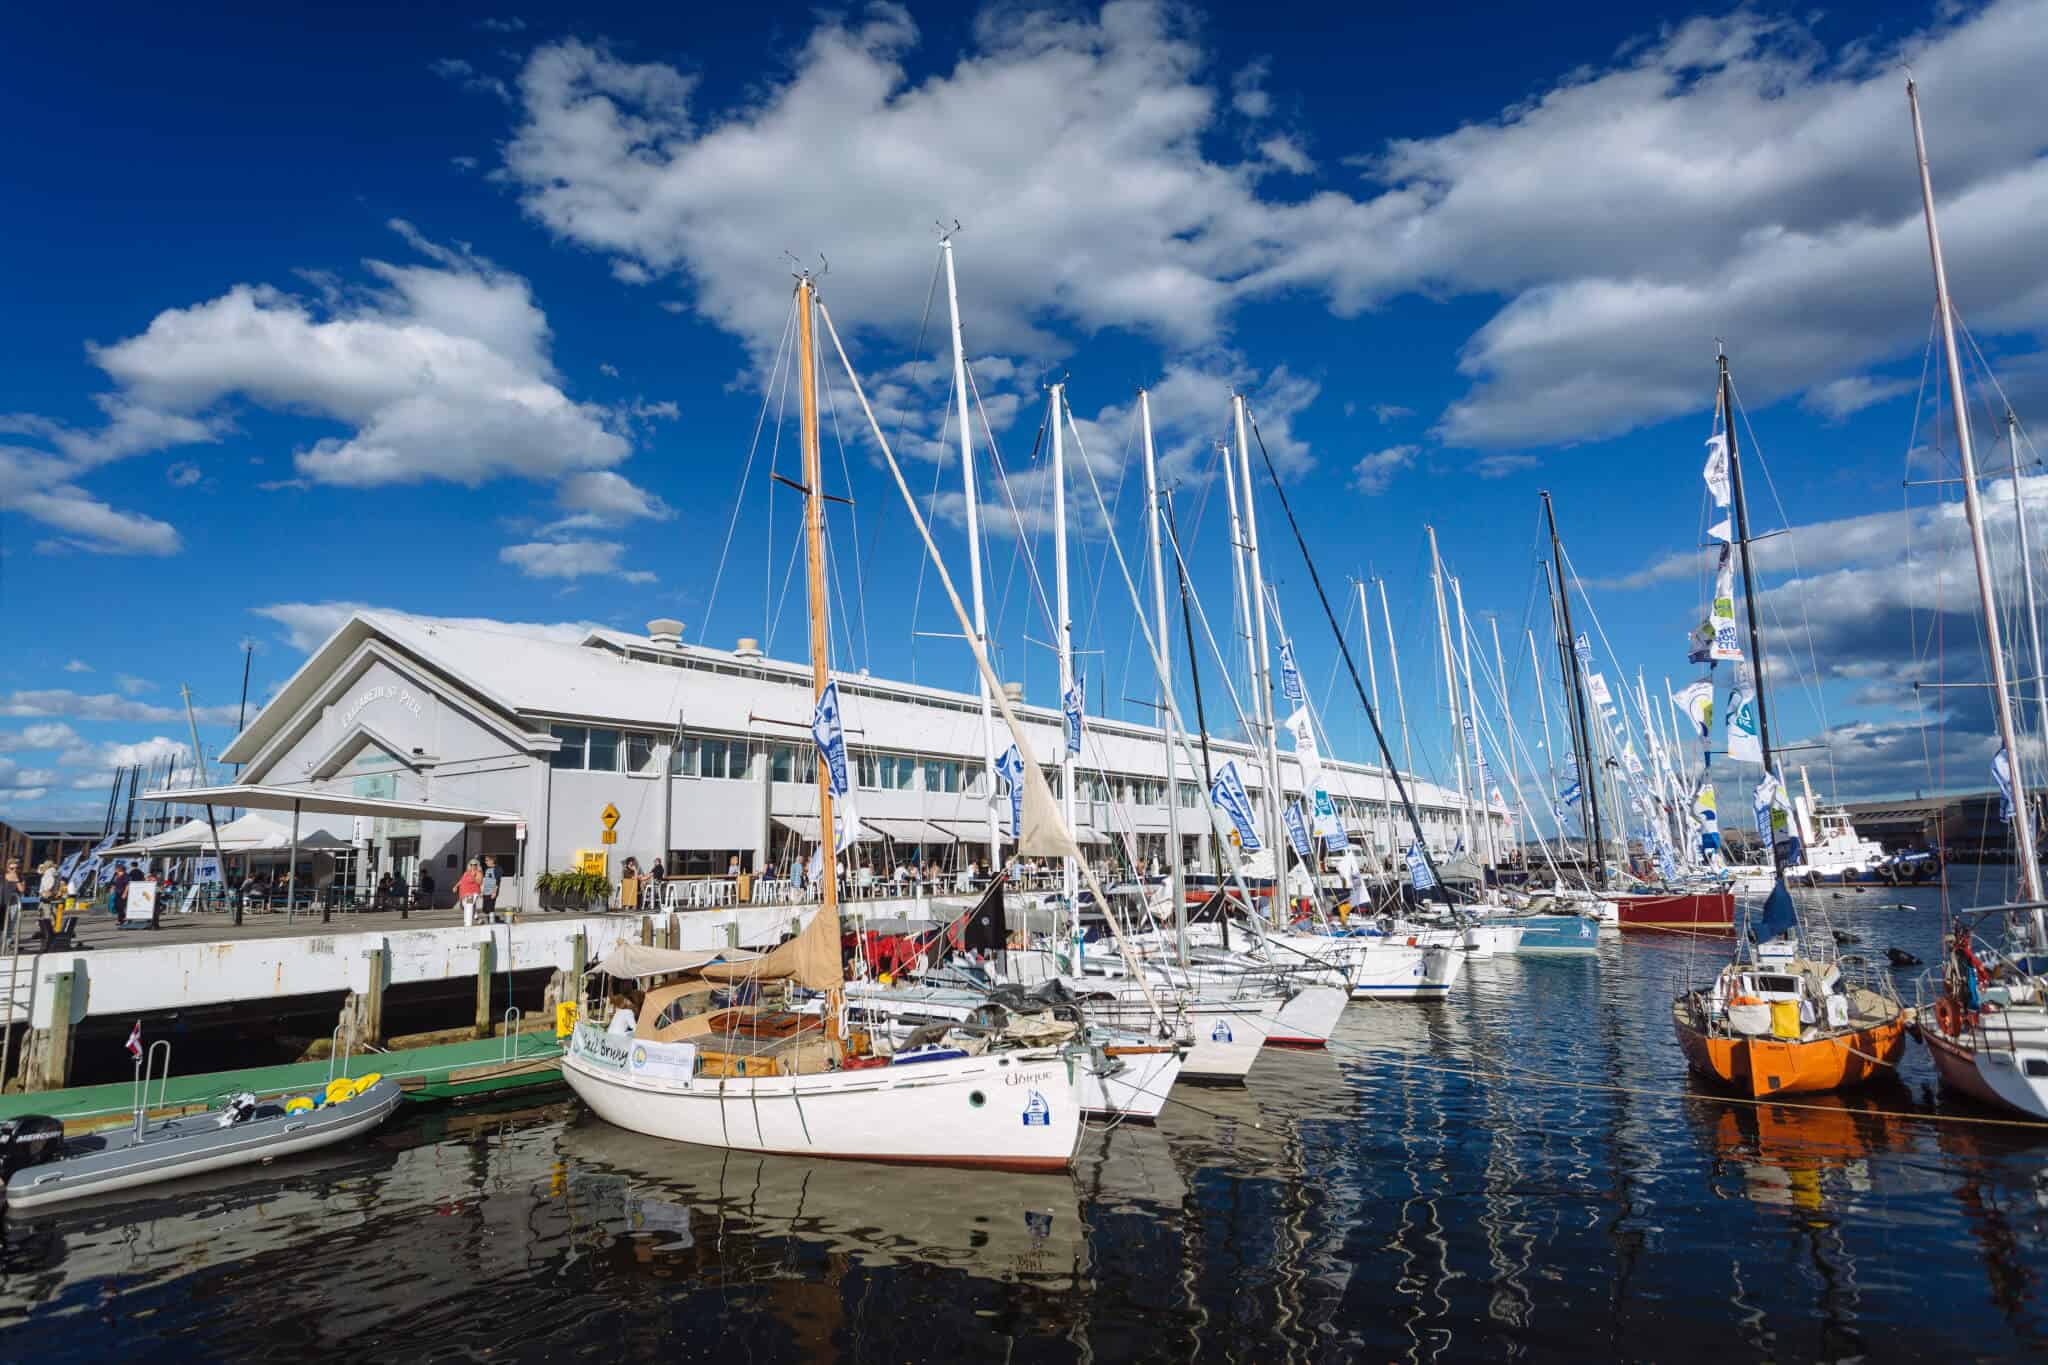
pixel 1010 768
pixel 829 733
pixel 1419 875
pixel 1327 825
pixel 1596 688
pixel 1290 676
pixel 1744 746
pixel 1703 806
pixel 2001 773
pixel 1229 795
pixel 1303 727
pixel 1696 700
pixel 1297 830
pixel 1716 472
pixel 1076 699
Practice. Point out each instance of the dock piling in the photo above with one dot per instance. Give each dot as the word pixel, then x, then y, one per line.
pixel 373 999
pixel 53 1061
pixel 486 964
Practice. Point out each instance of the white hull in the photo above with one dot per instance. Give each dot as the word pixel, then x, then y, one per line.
pixel 1013 1111
pixel 1227 1036
pixel 1309 1018
pixel 2011 1072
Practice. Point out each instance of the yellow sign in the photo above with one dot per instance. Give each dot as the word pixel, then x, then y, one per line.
pixel 592 860
pixel 611 836
pixel 610 816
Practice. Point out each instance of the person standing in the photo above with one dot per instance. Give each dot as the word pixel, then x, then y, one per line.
pixel 469 891
pixel 490 888
pixel 117 891
pixel 12 893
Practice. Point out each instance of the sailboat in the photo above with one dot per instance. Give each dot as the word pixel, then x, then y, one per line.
pixel 1988 1027
pixel 1784 1017
pixel 725 1057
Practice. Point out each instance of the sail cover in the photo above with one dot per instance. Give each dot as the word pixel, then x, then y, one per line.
pixel 636 960
pixel 811 959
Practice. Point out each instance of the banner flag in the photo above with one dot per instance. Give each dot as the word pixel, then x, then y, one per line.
pixel 1744 746
pixel 1229 795
pixel 1076 701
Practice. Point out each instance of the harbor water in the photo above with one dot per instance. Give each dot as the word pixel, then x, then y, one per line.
pixel 1521 1172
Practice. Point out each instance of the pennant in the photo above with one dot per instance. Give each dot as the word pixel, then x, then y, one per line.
pixel 1716 472
pixel 1696 702
pixel 1583 647
pixel 135 1041
pixel 1290 677
pixel 1722 531
pixel 1419 874
pixel 1229 795
pixel 1596 688
pixel 1010 768
pixel 1297 831
pixel 2001 773
pixel 1324 823
pixel 1075 703
pixel 1302 726
pixel 1744 744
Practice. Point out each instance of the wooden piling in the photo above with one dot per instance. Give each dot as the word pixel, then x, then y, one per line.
pixel 646 932
pixel 373 1000
pixel 486 966
pixel 53 1069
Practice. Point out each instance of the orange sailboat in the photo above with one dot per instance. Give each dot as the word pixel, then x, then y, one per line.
pixel 1782 1018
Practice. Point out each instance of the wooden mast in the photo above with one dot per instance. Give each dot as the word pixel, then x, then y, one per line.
pixel 814 565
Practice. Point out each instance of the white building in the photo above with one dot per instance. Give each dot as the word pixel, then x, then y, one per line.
pixel 704 754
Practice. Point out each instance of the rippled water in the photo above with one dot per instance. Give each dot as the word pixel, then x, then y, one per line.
pixel 1520 1172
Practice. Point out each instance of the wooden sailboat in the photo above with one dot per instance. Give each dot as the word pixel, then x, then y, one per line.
pixel 1778 1020
pixel 1988 1028
pixel 726 1056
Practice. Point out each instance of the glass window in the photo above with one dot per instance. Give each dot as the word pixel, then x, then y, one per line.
pixel 574 738
pixel 640 755
pixel 977 782
pixel 942 775
pixel 1191 795
pixel 794 763
pixel 604 751
pixel 682 760
pixel 867 770
pixel 899 772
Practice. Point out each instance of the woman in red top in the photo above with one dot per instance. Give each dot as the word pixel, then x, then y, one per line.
pixel 469 891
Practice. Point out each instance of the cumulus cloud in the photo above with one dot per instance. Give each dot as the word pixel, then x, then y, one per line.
pixel 1376 471
pixel 603 498
pixel 1840 398
pixel 59 701
pixel 183 474
pixel 50 735
pixel 78 666
pixel 1728 176
pixel 571 559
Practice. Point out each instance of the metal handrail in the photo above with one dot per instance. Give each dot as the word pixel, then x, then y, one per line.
pixel 334 1050
pixel 509 1026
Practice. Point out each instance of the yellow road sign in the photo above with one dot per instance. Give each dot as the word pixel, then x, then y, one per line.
pixel 610 836
pixel 610 816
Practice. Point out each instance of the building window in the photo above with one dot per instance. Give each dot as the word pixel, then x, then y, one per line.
pixel 867 772
pixel 724 758
pixel 977 782
pixel 898 772
pixel 942 775
pixel 574 739
pixel 640 755
pixel 1191 795
pixel 794 763
pixel 604 751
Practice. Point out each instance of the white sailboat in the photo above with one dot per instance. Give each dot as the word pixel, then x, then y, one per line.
pixel 1988 1026
pixel 740 1072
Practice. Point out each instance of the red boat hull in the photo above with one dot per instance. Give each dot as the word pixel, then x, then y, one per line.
pixel 1678 912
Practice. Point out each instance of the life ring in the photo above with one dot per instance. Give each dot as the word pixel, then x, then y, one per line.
pixel 1948 1016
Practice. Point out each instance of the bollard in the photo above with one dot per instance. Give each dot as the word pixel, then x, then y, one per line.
pixel 486 962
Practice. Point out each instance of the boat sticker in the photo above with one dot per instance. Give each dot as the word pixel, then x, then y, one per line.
pixel 664 1061
pixel 1037 1113
pixel 1221 1033
pixel 1585 930
pixel 594 1045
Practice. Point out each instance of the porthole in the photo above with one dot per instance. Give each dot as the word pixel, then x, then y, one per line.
pixel 976 1099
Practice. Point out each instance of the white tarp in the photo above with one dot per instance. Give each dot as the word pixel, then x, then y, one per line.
pixel 637 960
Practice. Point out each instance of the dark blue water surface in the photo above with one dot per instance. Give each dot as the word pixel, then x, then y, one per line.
pixel 1523 1171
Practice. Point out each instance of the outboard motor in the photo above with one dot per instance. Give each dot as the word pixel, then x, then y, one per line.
pixel 29 1140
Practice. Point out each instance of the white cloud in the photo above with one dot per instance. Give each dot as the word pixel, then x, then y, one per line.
pixel 37 486
pixel 466 76
pixel 78 666
pixel 608 369
pixel 1839 398
pixel 1728 176
pixel 1390 412
pixel 183 474
pixel 1372 475
pixel 38 738
pixel 1502 464
pixel 133 685
pixel 571 559
pixel 58 701
pixel 1288 154
pixel 602 498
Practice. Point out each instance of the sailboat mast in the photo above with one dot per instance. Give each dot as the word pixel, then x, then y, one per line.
pixel 2019 512
pixel 1372 674
pixel 1472 719
pixel 1507 717
pixel 1987 596
pixel 1756 648
pixel 821 642
pixel 1443 634
pixel 1549 756
pixel 988 754
pixel 1063 628
pixel 1582 729
pixel 1263 669
pixel 1154 510
pixel 1394 666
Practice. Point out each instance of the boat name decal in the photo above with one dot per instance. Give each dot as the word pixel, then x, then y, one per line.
pixel 1026 1077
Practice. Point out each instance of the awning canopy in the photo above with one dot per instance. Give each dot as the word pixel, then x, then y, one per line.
pixel 910 831
pixel 805 827
pixel 253 797
pixel 252 833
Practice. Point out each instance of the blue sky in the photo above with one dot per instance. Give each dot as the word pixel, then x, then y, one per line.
pixel 473 314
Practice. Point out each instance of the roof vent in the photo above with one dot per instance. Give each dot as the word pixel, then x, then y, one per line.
pixel 1015 692
pixel 666 633
pixel 747 648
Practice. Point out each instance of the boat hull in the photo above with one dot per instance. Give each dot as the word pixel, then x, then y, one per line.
pixel 169 1154
pixel 1677 912
pixel 1011 1111
pixel 1765 1066
pixel 2013 1078
pixel 1559 934
pixel 1309 1017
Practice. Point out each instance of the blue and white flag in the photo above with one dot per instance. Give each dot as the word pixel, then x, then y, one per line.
pixel 2001 773
pixel 1297 831
pixel 1583 647
pixel 1419 875
pixel 1010 768
pixel 829 734
pixel 1075 702
pixel 64 868
pixel 1327 825
pixel 1290 676
pixel 1230 796
pixel 1704 809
